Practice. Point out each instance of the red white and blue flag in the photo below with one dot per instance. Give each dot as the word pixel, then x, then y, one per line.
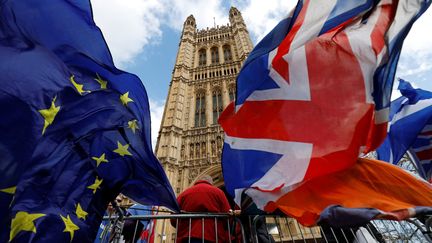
pixel 312 95
pixel 410 129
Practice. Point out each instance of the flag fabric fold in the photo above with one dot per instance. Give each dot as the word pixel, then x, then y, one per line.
pixel 370 189
pixel 75 129
pixel 311 96
pixel 410 129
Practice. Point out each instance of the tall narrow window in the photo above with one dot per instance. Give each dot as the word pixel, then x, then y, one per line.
pixel 219 143
pixel 200 120
pixel 191 151
pixel 227 53
pixel 182 152
pixel 217 104
pixel 202 57
pixel 197 150
pixel 213 147
pixel 203 150
pixel 231 91
pixel 214 55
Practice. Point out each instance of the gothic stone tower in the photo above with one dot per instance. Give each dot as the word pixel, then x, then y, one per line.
pixel 203 84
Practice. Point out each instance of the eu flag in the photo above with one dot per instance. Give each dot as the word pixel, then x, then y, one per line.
pixel 75 130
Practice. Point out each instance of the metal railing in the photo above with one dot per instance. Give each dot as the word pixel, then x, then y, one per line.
pixel 181 228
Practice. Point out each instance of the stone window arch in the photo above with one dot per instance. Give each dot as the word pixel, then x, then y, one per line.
pixel 214 55
pixel 200 119
pixel 227 53
pixel 202 57
pixel 217 104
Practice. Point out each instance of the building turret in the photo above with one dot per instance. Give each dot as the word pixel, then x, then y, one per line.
pixel 202 85
pixel 241 34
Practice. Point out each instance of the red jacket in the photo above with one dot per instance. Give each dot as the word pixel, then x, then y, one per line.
pixel 202 197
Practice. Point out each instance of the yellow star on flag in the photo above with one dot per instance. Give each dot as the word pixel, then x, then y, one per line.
pixel 100 159
pixel 69 226
pixel 95 185
pixel 78 87
pixel 133 125
pixel 9 190
pixel 122 150
pixel 81 214
pixel 23 221
pixel 103 83
pixel 49 114
pixel 124 98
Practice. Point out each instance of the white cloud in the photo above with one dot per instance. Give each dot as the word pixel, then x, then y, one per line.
pixel 156 113
pixel 262 16
pixel 415 62
pixel 203 11
pixel 128 26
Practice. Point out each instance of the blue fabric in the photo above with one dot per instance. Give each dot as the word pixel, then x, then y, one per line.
pixel 406 129
pixel 385 74
pixel 340 217
pixel 47 50
pixel 138 209
pixel 246 159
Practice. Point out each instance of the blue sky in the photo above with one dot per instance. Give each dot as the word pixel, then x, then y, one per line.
pixel 143 36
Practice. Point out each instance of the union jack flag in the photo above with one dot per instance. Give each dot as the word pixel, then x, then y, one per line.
pixel 410 129
pixel 422 151
pixel 313 94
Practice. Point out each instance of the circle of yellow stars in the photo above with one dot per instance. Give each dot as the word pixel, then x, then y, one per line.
pixel 24 221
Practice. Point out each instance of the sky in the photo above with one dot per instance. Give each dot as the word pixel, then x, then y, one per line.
pixel 143 36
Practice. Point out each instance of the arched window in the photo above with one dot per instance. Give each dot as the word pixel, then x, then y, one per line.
pixel 227 53
pixel 217 104
pixel 202 57
pixel 214 55
pixel 200 119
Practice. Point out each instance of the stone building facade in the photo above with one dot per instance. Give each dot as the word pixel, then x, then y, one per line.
pixel 203 84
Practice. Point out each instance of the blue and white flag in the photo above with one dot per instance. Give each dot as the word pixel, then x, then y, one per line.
pixel 410 129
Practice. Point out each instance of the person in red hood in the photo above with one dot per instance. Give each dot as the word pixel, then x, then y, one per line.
pixel 203 197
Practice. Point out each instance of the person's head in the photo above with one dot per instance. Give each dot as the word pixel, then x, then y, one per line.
pixel 119 199
pixel 207 178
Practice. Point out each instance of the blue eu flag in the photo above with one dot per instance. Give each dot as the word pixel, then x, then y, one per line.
pixel 74 130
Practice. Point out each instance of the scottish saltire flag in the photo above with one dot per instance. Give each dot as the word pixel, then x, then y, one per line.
pixel 75 130
pixel 410 129
pixel 311 96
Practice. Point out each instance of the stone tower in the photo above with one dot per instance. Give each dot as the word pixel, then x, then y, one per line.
pixel 203 84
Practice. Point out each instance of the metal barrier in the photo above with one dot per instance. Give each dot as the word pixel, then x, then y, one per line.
pixel 257 229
